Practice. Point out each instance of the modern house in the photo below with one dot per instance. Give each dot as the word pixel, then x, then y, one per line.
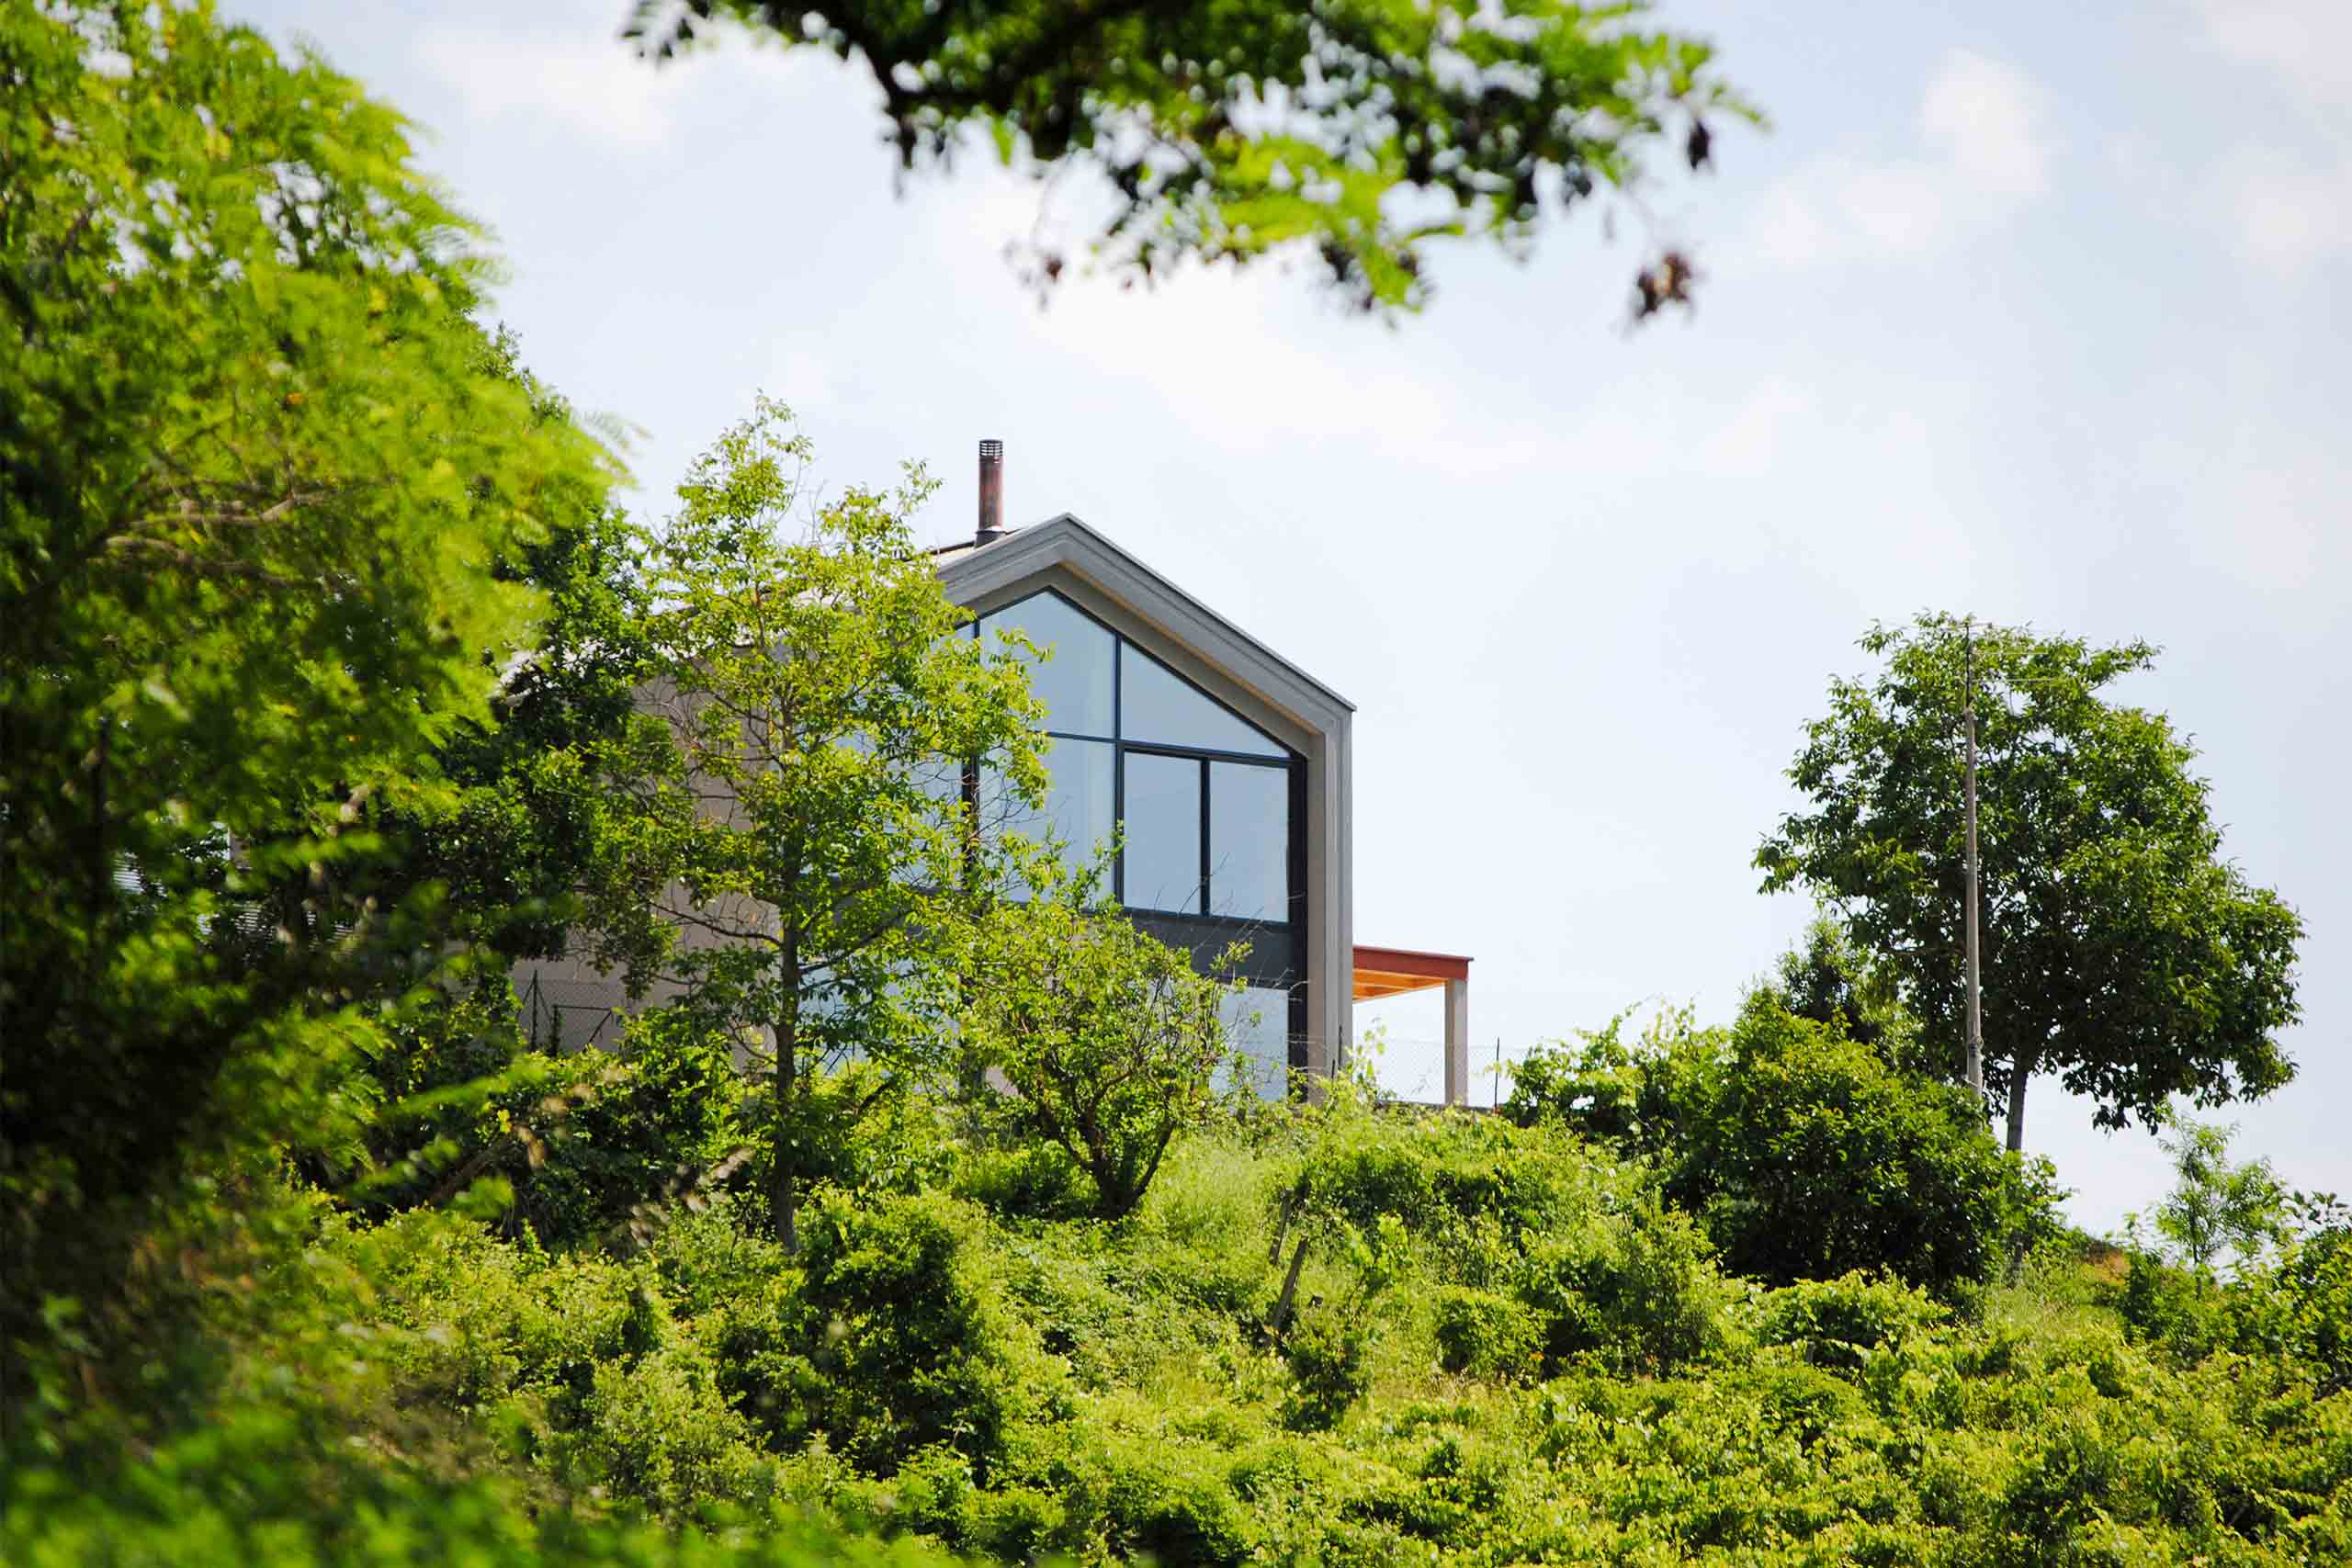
pixel 1229 767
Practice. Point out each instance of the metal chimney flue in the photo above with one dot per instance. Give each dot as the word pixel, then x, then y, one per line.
pixel 991 493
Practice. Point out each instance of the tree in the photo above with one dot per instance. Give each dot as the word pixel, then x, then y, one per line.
pixel 808 831
pixel 2119 950
pixel 1109 1038
pixel 1227 129
pixel 1830 981
pixel 526 826
pixel 254 458
pixel 2216 1205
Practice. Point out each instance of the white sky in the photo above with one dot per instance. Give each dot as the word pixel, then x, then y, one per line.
pixel 2018 310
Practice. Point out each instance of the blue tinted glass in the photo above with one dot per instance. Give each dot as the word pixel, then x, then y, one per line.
pixel 1075 684
pixel 1160 707
pixel 1248 842
pixel 1257 1028
pixel 1077 810
pixel 1163 833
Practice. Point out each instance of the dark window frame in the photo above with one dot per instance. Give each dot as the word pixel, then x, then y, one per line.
pixel 1294 924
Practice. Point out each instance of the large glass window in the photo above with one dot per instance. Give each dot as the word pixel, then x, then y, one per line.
pixel 1256 1026
pixel 1163 839
pixel 1079 810
pixel 1248 842
pixel 1075 684
pixel 1161 709
pixel 1205 834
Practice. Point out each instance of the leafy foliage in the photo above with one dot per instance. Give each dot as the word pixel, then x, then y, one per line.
pixel 253 460
pixel 1806 1152
pixel 2120 951
pixel 2216 1205
pixel 806 831
pixel 1817 1159
pixel 1359 129
pixel 1108 1037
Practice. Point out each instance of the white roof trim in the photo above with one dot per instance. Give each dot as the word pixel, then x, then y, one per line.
pixel 1067 543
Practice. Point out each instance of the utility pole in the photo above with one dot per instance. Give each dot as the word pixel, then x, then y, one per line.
pixel 1975 1000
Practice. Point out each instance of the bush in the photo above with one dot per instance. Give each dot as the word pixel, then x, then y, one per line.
pixel 1632 1290
pixel 1487 1335
pixel 1037 1181
pixel 1816 1159
pixel 1645 1100
pixel 1329 1368
pixel 2301 1306
pixel 659 1115
pixel 1837 1323
pixel 257 1489
pixel 901 1319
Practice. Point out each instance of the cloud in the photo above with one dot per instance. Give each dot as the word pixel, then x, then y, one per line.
pixel 2306 44
pixel 1748 442
pixel 2291 208
pixel 1979 113
pixel 588 82
pixel 2289 217
pixel 1984 156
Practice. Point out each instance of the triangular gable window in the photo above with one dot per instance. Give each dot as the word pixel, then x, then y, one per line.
pixel 1159 708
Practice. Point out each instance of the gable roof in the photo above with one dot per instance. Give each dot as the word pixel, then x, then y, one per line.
pixel 975 571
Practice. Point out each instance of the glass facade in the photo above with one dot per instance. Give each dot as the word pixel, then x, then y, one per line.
pixel 1161 808
pixel 1257 1020
pixel 1159 708
pixel 1248 842
pixel 1208 801
pixel 1076 683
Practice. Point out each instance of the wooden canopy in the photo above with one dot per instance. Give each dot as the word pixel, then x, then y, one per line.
pixel 1394 971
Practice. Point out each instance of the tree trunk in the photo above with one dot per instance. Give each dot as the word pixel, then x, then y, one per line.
pixel 1290 1290
pixel 2017 1076
pixel 783 1196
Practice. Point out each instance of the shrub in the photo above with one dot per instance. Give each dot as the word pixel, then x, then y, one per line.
pixel 1487 1335
pixel 899 1318
pixel 1031 1182
pixel 661 1113
pixel 1837 1323
pixel 2181 1309
pixel 257 1489
pixel 1633 1290
pixel 2301 1306
pixel 1642 1100
pixel 1329 1368
pixel 1110 1039
pixel 1817 1158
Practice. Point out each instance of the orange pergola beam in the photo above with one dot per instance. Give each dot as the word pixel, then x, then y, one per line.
pixel 1395 971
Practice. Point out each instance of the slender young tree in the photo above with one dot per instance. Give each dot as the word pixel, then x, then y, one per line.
pixel 809 827
pixel 2120 951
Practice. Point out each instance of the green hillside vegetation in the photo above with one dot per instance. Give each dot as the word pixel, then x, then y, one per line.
pixel 1505 1341
pixel 322 640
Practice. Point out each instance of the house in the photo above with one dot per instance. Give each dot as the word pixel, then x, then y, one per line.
pixel 1229 767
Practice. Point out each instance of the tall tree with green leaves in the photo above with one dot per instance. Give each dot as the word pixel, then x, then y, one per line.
pixel 255 464
pixel 2120 951
pixel 1225 130
pixel 809 832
